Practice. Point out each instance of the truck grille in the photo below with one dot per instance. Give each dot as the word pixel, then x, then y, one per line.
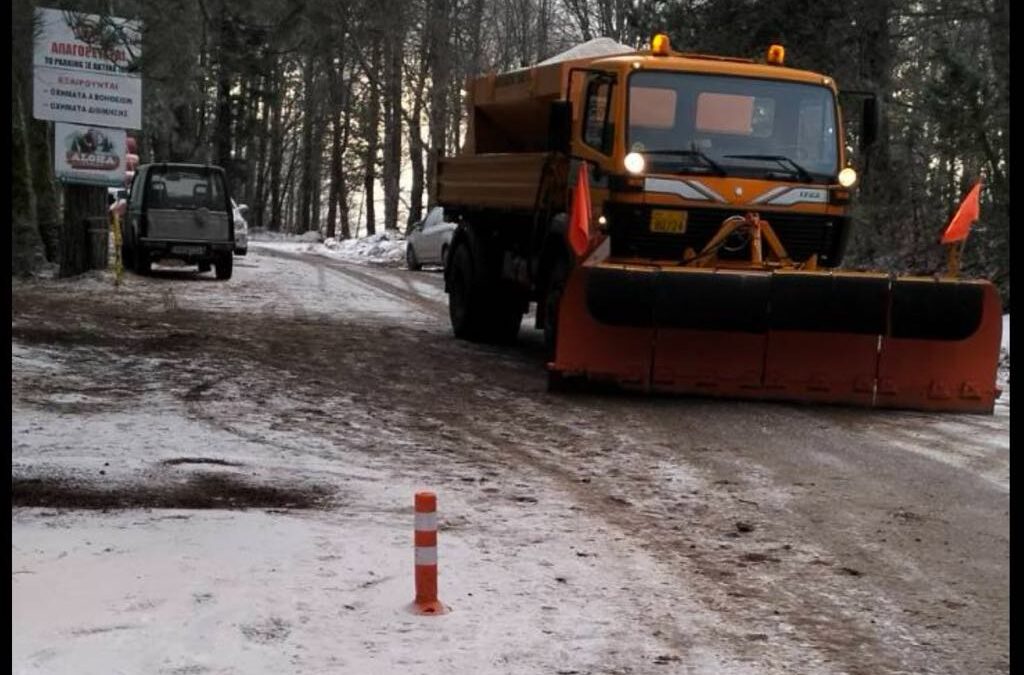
pixel 801 235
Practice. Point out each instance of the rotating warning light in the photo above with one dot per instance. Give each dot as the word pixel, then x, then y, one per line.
pixel 776 55
pixel 660 46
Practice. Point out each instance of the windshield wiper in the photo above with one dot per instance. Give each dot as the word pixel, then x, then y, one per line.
pixel 715 166
pixel 782 160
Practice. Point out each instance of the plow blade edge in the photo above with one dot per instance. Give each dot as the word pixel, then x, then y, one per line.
pixel 831 337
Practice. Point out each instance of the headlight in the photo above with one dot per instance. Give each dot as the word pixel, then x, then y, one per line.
pixel 634 162
pixel 847 177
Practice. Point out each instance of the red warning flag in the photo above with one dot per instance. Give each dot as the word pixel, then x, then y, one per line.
pixel 965 216
pixel 579 221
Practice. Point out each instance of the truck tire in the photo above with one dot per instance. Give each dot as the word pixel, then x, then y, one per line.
pixel 204 267
pixel 224 265
pixel 465 306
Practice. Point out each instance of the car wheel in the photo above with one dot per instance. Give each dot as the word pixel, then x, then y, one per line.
pixel 410 258
pixel 224 266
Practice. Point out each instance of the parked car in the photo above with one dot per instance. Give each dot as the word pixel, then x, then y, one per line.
pixel 183 212
pixel 429 240
pixel 241 228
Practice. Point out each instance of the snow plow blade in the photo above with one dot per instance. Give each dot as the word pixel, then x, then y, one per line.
pixel 865 339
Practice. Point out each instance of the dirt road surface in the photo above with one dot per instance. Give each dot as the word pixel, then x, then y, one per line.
pixel 580 533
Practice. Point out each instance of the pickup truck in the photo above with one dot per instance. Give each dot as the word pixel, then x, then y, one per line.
pixel 183 212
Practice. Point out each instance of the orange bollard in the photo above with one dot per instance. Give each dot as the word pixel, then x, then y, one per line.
pixel 426 555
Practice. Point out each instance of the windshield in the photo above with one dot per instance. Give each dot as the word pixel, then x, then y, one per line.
pixel 684 120
pixel 182 188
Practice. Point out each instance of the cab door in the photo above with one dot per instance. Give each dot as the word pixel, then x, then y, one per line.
pixel 595 129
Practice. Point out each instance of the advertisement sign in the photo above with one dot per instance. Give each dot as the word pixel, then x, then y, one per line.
pixel 77 81
pixel 89 155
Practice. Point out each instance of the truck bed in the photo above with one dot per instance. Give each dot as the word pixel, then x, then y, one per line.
pixel 494 181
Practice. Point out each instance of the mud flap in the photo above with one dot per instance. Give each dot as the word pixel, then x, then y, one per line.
pixel 831 337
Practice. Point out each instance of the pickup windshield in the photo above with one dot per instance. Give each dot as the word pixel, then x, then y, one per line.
pixel 688 123
pixel 184 188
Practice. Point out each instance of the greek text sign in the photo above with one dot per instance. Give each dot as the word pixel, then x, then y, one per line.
pixel 78 81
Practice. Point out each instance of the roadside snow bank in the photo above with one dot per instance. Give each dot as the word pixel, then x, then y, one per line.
pixel 386 247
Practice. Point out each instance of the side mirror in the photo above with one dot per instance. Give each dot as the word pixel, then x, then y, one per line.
pixel 559 126
pixel 871 121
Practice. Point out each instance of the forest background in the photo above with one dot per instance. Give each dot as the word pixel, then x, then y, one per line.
pixel 328 114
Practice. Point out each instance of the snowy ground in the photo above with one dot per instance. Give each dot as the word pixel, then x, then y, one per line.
pixel 218 477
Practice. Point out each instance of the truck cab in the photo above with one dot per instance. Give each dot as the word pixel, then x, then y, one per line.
pixel 678 143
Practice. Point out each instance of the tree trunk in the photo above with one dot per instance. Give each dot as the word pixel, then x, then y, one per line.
pixel 26 245
pixel 371 128
pixel 40 134
pixel 82 204
pixel 276 157
pixel 307 168
pixel 439 59
pixel 392 131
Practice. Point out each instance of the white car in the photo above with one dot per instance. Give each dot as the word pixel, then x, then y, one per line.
pixel 241 228
pixel 429 240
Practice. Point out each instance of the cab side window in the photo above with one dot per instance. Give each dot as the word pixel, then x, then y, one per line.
pixel 598 129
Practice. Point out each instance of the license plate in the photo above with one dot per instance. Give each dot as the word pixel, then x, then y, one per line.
pixel 188 250
pixel 668 222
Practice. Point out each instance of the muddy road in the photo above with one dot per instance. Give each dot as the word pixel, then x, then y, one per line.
pixel 786 538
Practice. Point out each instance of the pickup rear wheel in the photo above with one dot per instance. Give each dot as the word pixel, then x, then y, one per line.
pixel 141 264
pixel 224 265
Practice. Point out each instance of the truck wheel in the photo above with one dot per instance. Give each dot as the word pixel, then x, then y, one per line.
pixel 410 258
pixel 224 265
pixel 464 307
pixel 204 267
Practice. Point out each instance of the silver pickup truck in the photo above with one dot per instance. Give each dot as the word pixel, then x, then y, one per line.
pixel 183 212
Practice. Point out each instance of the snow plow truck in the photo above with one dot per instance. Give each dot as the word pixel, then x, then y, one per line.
pixel 680 221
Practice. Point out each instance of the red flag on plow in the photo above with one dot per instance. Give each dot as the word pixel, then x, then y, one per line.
pixel 579 221
pixel 965 216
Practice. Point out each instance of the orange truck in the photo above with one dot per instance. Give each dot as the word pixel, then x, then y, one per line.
pixel 680 221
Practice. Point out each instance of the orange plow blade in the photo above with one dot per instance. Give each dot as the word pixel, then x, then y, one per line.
pixel 830 337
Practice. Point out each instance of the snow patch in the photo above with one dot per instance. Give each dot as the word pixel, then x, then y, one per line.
pixel 387 247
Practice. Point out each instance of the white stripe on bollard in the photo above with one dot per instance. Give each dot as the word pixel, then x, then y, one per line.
pixel 426 522
pixel 426 555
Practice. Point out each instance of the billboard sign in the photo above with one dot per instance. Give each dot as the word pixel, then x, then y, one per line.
pixel 77 81
pixel 89 155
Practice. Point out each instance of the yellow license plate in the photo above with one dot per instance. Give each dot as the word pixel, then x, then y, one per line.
pixel 668 222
